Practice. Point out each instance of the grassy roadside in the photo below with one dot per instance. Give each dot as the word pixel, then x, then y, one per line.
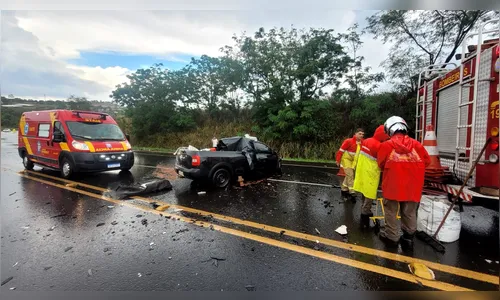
pixel 171 151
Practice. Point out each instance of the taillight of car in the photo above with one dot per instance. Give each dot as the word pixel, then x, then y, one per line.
pixel 195 161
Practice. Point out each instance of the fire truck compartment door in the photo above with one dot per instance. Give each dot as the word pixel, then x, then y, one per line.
pixel 447 118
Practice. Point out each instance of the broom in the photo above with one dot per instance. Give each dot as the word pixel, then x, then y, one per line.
pixel 432 240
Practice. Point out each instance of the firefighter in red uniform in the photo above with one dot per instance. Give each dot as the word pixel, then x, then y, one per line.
pixel 347 157
pixel 403 161
pixel 367 176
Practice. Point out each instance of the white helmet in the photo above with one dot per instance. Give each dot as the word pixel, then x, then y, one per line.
pixel 394 124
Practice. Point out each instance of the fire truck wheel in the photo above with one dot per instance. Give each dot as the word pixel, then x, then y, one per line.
pixel 28 164
pixel 66 168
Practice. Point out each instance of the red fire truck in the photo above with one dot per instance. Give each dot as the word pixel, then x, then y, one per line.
pixel 463 106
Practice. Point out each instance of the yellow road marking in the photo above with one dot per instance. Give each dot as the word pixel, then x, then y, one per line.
pixel 350 247
pixel 299 249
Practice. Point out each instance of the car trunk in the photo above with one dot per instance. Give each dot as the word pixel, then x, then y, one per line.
pixel 184 159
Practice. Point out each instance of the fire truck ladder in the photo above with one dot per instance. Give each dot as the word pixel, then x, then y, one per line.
pixel 473 81
pixel 421 104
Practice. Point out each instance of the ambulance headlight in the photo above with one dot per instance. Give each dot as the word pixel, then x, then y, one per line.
pixel 80 146
pixel 493 158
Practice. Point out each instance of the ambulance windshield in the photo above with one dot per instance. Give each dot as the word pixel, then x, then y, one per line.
pixel 95 131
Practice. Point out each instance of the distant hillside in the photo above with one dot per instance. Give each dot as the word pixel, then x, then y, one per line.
pixel 12 108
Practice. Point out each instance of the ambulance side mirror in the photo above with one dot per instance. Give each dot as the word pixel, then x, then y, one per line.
pixel 127 136
pixel 58 137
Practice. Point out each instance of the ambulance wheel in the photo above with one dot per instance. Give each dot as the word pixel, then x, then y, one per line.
pixel 28 164
pixel 66 168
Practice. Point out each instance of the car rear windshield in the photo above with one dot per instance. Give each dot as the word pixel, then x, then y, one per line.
pixel 95 131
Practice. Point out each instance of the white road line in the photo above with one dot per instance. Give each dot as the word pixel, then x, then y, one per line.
pixel 310 166
pixel 300 182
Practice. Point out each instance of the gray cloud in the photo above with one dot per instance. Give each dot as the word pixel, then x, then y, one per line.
pixel 29 70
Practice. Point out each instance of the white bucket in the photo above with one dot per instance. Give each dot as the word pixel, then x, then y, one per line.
pixel 430 214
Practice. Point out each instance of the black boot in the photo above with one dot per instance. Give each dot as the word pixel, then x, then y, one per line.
pixel 406 241
pixel 352 197
pixel 365 220
pixel 388 242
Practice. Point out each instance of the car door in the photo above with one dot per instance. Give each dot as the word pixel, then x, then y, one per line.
pixel 266 158
pixel 44 147
pixel 55 146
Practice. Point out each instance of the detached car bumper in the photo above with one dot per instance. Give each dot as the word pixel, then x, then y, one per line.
pixel 96 162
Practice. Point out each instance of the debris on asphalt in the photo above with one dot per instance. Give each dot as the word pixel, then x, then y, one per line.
pixel 215 260
pixel 89 272
pixel 144 222
pixel 317 231
pixel 12 194
pixel 12 288
pixel 58 216
pixel 123 191
pixel 250 287
pixel 15 264
pixel 7 280
pixel 52 228
pixel 488 261
pixel 114 223
pixel 170 257
pixel 282 232
pixel 178 210
pixel 212 227
pixel 100 224
pixel 342 230
pixel 47 268
pixel 107 249
pixel 67 249
pixel 138 216
pixel 202 193
pixel 182 230
pixel 154 205
pixel 111 206
pixel 139 275
pixel 252 249
pixel 421 271
pixel 317 242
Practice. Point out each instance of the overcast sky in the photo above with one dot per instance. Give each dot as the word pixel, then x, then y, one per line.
pixel 87 53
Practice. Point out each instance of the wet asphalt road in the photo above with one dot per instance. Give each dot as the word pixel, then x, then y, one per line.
pixel 53 238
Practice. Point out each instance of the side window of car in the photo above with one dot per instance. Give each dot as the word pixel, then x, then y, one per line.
pixel 259 147
pixel 58 127
pixel 43 130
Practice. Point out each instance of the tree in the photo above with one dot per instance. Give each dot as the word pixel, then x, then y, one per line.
pixel 212 80
pixel 78 103
pixel 435 34
pixel 359 79
pixel 281 67
pixel 145 85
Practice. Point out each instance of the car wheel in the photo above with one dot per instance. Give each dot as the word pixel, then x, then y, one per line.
pixel 66 168
pixel 28 164
pixel 221 178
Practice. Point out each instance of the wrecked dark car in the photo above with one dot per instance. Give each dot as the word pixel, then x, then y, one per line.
pixel 233 157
